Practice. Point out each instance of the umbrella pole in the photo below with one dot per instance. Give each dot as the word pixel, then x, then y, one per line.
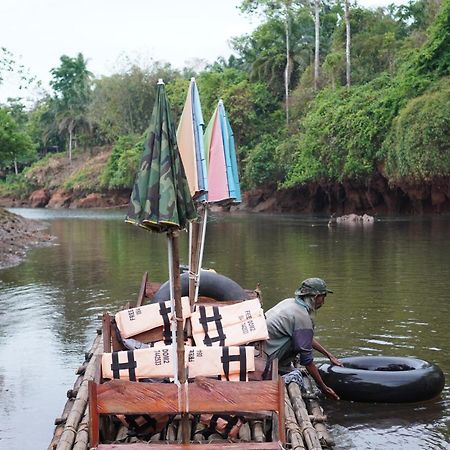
pixel 194 228
pixel 202 248
pixel 181 374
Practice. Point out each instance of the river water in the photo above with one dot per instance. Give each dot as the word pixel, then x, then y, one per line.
pixel 391 297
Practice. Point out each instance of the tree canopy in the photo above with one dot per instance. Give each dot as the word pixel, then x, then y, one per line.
pixel 392 120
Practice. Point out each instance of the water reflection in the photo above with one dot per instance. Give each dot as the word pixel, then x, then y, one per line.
pixel 391 298
pixel 374 426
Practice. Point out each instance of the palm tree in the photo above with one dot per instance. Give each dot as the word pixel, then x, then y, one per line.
pixel 72 85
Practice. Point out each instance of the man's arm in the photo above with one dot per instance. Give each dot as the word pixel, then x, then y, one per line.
pixel 317 346
pixel 312 369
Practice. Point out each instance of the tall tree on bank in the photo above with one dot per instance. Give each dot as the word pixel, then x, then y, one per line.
pixel 72 85
pixel 272 9
pixel 347 42
pixel 316 43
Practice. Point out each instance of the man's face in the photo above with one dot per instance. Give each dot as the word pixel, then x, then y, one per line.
pixel 319 300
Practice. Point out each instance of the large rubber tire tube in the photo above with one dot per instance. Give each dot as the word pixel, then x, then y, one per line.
pixel 384 379
pixel 212 285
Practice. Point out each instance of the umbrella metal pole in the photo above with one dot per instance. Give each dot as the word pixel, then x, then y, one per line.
pixel 173 237
pixel 194 228
pixel 202 248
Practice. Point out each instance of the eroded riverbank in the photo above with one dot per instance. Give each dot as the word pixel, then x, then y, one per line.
pixel 18 235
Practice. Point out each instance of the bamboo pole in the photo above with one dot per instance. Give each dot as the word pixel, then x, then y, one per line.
pixel 70 430
pixel 71 394
pixel 294 434
pixel 257 427
pixel 316 410
pixel 82 437
pixel 173 237
pixel 308 431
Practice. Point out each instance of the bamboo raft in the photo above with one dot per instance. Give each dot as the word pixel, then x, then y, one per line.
pixel 304 420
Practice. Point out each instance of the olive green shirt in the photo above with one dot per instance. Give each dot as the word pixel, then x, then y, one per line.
pixel 291 332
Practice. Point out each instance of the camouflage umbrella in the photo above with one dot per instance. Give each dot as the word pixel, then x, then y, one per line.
pixel 161 201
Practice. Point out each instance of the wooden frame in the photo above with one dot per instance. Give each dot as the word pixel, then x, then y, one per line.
pixel 204 395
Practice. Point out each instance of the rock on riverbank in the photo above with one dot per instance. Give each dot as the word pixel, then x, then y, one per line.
pixel 18 235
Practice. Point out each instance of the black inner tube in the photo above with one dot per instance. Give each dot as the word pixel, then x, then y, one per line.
pixel 212 285
pixel 384 379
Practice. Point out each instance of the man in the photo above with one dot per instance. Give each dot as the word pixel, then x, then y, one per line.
pixel 291 331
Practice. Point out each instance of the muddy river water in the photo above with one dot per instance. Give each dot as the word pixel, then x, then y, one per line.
pixel 391 283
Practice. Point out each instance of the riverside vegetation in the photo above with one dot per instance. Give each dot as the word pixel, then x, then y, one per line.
pixel 325 139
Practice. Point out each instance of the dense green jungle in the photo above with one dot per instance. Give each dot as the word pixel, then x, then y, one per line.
pixel 334 109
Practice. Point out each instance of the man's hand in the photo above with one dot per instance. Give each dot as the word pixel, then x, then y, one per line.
pixel 334 360
pixel 330 393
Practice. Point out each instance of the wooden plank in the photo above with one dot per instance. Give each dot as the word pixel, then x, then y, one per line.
pixel 106 332
pixel 94 432
pixel 202 446
pixel 141 295
pixel 205 395
pixel 156 334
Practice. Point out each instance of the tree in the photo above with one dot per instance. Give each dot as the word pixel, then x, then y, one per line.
pixel 16 146
pixel 317 43
pixel 347 42
pixel 122 103
pixel 282 10
pixel 72 85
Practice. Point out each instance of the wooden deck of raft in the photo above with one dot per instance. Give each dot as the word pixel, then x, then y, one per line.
pixel 304 420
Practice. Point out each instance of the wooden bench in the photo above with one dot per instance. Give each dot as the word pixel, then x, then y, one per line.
pixel 205 396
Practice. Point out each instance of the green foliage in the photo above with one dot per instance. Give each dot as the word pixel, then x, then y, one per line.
pixel 261 166
pixel 123 163
pixel 122 103
pixel 435 54
pixel 15 144
pixel 71 83
pixel 84 179
pixel 418 145
pixel 340 136
pixel 16 186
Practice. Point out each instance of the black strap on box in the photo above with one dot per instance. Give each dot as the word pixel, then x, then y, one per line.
pixel 165 315
pixel 242 358
pixel 217 319
pixel 130 365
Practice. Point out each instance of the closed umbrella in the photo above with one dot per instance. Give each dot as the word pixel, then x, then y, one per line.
pixel 161 202
pixel 223 175
pixel 222 170
pixel 190 142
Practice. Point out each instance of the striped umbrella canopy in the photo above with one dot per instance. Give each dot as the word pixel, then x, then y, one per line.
pixel 223 175
pixel 190 142
pixel 161 200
